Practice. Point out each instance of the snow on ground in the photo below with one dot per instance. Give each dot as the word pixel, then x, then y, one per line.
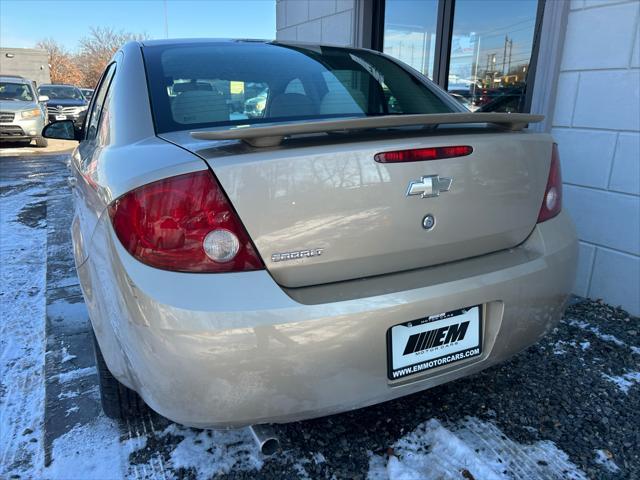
pixel 66 356
pixel 90 451
pixel 469 448
pixel 625 381
pixel 560 347
pixel 23 241
pixel 212 452
pixel 76 374
pixel 605 458
pixel 596 331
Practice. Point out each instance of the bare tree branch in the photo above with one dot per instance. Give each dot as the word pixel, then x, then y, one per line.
pixel 62 65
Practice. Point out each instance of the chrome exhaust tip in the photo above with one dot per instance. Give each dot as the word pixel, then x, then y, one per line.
pixel 266 438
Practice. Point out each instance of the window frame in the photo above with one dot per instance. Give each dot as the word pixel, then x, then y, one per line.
pixel 105 81
pixel 444 33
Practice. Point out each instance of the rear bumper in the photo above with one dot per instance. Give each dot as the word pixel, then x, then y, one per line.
pixel 236 349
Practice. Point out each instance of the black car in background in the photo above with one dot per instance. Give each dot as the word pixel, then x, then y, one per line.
pixel 66 102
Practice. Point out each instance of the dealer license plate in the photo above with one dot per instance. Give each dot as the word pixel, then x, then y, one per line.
pixel 434 341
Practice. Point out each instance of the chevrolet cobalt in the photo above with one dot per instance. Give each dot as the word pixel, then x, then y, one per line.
pixel 359 238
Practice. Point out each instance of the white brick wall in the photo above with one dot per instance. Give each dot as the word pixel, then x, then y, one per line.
pixel 322 21
pixel 597 126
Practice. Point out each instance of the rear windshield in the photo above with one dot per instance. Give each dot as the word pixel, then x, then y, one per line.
pixel 211 85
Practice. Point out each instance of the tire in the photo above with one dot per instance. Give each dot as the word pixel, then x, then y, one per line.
pixel 41 142
pixel 118 401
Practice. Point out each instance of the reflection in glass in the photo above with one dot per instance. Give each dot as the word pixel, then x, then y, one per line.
pixel 62 130
pixel 410 32
pixel 490 53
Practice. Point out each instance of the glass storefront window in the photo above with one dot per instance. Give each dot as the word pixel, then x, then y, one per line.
pixel 491 49
pixel 410 32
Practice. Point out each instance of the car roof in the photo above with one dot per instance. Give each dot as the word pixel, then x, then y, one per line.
pixel 186 41
pixel 235 41
pixel 57 85
pixel 14 79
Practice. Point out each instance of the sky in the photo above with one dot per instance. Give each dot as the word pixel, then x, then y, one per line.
pixel 25 22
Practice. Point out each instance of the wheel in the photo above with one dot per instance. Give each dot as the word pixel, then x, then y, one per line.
pixel 41 142
pixel 118 401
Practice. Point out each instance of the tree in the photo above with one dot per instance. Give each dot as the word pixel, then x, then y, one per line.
pixel 97 49
pixel 62 65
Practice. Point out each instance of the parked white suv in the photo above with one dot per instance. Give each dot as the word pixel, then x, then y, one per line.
pixel 22 113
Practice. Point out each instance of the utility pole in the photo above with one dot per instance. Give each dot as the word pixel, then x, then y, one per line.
pixel 510 50
pixel 475 73
pixel 504 55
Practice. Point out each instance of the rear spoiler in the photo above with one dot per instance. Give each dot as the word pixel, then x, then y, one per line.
pixel 272 135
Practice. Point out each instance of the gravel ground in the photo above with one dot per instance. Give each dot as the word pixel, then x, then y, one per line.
pixel 579 388
pixel 554 391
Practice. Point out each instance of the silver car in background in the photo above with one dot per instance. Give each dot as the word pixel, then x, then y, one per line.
pixel 360 238
pixel 22 113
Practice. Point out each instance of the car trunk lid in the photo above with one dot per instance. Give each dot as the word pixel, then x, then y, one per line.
pixel 321 209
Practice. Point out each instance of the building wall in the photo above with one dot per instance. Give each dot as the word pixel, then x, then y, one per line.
pixel 326 21
pixel 30 63
pixel 597 126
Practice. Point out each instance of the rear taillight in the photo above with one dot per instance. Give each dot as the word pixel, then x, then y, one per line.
pixel 421 154
pixel 184 224
pixel 552 201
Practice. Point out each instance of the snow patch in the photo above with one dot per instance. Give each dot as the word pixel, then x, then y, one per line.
pixel 559 348
pixel 605 458
pixel 596 331
pixel 76 374
pixel 71 410
pixel 66 356
pixel 301 472
pixel 318 458
pixel 212 452
pixel 625 381
pixel 22 341
pixel 92 450
pixel 70 394
pixel 469 447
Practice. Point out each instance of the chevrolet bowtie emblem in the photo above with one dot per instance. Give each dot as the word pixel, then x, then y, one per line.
pixel 429 186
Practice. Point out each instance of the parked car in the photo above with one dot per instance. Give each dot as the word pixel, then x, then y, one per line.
pixel 87 92
pixel 66 102
pixel 325 257
pixel 22 112
pixel 254 107
pixel 464 101
pixel 508 100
